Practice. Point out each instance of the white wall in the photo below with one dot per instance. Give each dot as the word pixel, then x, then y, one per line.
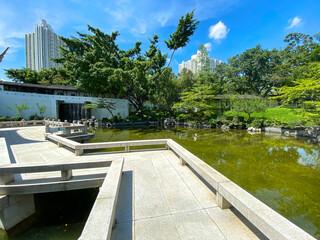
pixel 8 98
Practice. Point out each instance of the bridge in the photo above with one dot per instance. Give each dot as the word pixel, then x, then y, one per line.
pixel 163 193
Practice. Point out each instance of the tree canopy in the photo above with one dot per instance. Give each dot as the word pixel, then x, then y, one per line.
pixel 99 66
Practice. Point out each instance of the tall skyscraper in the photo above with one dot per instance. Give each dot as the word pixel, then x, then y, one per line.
pixel 195 63
pixel 41 46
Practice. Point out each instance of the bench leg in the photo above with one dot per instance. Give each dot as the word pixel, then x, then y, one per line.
pixel 79 152
pixel 222 202
pixel 66 175
pixel 182 162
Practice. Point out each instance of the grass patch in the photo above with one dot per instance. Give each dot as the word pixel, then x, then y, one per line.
pixel 284 117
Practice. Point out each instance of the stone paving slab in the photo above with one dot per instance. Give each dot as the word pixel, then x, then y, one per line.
pixel 158 198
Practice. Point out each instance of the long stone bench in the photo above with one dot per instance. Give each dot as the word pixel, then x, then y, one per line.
pixel 67 181
pixel 80 147
pixel 64 142
pixel 125 144
pixel 102 216
pixel 229 194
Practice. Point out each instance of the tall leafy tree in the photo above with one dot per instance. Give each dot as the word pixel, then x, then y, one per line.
pixel 186 27
pixel 204 59
pixel 198 104
pixel 44 76
pixel 186 80
pixel 300 50
pixel 254 69
pixel 305 90
pixel 99 66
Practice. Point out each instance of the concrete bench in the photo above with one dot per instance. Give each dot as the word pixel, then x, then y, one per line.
pixel 62 141
pixel 102 216
pixel 229 194
pixel 66 182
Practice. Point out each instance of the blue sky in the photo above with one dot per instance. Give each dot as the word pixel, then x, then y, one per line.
pixel 227 27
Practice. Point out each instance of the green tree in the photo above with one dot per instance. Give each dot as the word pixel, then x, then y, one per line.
pixel 300 50
pixel 101 67
pixel 185 80
pixel 186 27
pixel 19 108
pixel 44 76
pixel 253 69
pixel 250 105
pixel 166 94
pixel 102 103
pixel 198 104
pixel 204 59
pixel 305 90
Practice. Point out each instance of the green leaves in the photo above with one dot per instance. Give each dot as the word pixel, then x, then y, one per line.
pixel 250 105
pixel 305 89
pixel 19 108
pixel 198 104
pixel 186 27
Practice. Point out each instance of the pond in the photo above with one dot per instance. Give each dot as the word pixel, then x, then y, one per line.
pixel 281 171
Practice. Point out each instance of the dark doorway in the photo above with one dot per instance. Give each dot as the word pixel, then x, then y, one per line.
pixel 71 111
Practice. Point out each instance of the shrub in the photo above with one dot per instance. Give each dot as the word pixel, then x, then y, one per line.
pixel 5 119
pixel 256 123
pixel 18 118
pixel 33 117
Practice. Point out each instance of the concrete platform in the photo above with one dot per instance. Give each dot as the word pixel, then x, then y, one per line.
pixel 158 198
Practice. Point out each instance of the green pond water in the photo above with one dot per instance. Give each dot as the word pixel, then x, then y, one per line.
pixel 281 171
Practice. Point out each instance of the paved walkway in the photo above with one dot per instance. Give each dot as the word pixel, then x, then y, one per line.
pixel 158 199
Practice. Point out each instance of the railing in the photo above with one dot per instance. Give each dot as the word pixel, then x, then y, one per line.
pixel 22 123
pixel 80 147
pixel 102 216
pixel 228 194
pixel 4 160
pixel 67 182
pixel 66 128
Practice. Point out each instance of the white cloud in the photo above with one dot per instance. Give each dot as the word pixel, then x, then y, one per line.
pixel 162 18
pixel 294 22
pixel 141 27
pixel 208 46
pixel 218 31
pixel 121 14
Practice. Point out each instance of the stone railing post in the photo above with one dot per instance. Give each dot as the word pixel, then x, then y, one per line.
pixel 68 131
pixel 66 175
pixel 85 128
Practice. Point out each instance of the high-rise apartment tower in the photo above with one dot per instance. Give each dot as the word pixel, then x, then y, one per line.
pixel 195 63
pixel 41 46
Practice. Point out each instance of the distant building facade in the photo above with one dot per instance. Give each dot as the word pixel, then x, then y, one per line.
pixel 195 64
pixel 41 46
pixel 61 102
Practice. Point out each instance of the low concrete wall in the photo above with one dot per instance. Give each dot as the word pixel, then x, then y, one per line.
pixel 268 221
pixel 9 99
pixel 313 132
pixel 228 194
pixel 21 123
pixel 102 216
